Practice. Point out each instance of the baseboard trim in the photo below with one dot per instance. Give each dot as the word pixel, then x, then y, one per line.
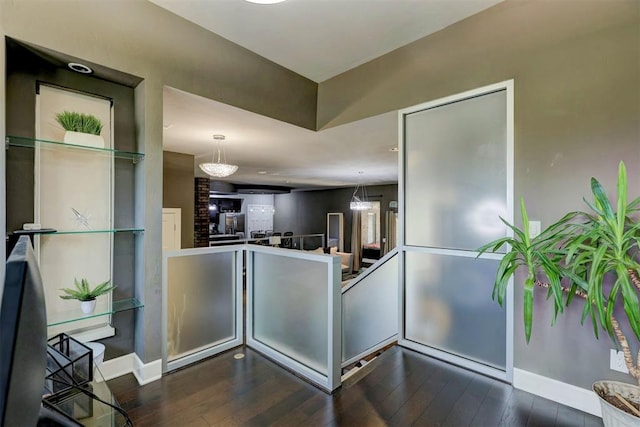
pixel 117 367
pixel 566 394
pixel 145 373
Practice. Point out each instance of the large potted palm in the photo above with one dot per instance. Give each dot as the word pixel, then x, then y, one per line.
pixel 588 258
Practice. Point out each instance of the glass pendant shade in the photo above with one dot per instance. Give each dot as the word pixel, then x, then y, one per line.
pixel 360 202
pixel 218 167
pixel 219 170
pixel 359 205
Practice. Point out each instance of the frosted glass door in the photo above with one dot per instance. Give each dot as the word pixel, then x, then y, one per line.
pixel 455 181
pixel 456 171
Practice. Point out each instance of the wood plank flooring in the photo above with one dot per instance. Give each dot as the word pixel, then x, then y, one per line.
pixel 406 388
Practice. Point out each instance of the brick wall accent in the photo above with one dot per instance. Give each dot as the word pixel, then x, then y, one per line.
pixel 201 213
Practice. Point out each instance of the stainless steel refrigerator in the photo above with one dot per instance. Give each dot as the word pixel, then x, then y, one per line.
pixel 232 223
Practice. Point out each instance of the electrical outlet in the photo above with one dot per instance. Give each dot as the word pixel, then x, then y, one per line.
pixel 616 362
pixel 534 228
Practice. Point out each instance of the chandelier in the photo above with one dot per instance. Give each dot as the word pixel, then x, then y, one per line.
pixel 360 202
pixel 218 168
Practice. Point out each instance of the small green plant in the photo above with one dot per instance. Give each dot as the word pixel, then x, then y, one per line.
pixel 79 122
pixel 83 291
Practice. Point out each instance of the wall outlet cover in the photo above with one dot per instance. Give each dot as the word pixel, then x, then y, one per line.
pixel 617 361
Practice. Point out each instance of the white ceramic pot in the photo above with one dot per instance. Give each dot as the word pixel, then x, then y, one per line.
pixel 85 139
pixel 88 306
pixel 612 416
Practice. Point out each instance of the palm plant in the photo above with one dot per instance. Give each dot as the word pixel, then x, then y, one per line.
pixel 573 256
pixel 83 291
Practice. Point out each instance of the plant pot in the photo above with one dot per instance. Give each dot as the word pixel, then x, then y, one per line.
pixel 84 139
pixel 87 307
pixel 612 416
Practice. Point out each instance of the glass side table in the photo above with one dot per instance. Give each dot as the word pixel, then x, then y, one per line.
pixel 85 409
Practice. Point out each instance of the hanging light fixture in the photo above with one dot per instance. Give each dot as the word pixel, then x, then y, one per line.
pixel 218 167
pixel 360 202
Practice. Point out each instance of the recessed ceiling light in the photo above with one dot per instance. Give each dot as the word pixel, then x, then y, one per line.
pixel 79 68
pixel 265 1
pixel 394 149
pixel 262 172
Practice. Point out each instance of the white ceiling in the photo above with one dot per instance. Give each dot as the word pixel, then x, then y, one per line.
pixel 290 155
pixel 317 39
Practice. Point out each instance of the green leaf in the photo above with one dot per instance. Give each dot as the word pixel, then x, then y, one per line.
pixel 528 306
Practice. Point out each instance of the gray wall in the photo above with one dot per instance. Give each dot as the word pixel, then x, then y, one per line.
pixel 144 40
pixel 24 70
pixel 178 188
pixel 305 212
pixel 576 67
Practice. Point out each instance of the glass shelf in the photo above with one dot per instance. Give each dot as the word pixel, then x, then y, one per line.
pixel 20 141
pixel 87 231
pixel 77 315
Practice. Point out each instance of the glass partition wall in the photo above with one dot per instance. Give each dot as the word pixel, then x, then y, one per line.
pixel 293 307
pixel 202 300
pixel 456 182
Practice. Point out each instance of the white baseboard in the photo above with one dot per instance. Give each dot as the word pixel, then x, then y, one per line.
pixel 146 373
pixel 566 394
pixel 114 368
pixel 131 364
pixel 93 333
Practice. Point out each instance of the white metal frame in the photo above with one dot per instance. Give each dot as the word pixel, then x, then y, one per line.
pixel 216 347
pixel 340 216
pixel 371 270
pixel 334 312
pixel 508 87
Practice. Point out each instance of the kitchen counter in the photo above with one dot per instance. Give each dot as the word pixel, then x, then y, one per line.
pixel 217 237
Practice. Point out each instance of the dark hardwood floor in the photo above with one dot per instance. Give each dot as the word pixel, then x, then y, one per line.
pixel 405 388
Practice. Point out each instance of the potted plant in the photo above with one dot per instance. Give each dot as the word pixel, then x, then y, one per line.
pixel 81 129
pixel 85 294
pixel 592 256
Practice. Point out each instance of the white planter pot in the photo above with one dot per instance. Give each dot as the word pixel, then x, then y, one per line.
pixel 612 416
pixel 85 139
pixel 88 306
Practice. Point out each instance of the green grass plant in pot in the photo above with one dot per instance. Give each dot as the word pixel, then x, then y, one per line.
pixel 87 296
pixel 81 129
pixel 570 260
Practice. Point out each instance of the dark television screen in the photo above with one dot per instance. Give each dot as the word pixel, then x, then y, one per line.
pixel 23 329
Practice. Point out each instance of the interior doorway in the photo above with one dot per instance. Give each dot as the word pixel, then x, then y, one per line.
pixel 456 183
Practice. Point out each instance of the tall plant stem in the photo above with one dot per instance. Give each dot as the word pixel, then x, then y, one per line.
pixel 634 369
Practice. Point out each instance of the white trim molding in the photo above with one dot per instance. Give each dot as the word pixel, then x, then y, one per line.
pixel 563 393
pixel 145 373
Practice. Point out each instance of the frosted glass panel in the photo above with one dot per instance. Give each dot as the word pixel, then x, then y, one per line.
pixel 455 183
pixel 290 308
pixel 449 306
pixel 370 310
pixel 201 302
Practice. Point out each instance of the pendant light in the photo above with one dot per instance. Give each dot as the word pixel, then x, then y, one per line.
pixel 360 202
pixel 218 167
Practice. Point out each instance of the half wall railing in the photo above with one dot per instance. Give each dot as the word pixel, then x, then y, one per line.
pixel 296 312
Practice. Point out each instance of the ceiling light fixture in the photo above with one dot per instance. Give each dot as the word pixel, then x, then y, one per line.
pixel 218 168
pixel 79 68
pixel 265 1
pixel 360 202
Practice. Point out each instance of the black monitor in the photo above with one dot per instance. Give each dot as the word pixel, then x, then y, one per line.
pixel 23 325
